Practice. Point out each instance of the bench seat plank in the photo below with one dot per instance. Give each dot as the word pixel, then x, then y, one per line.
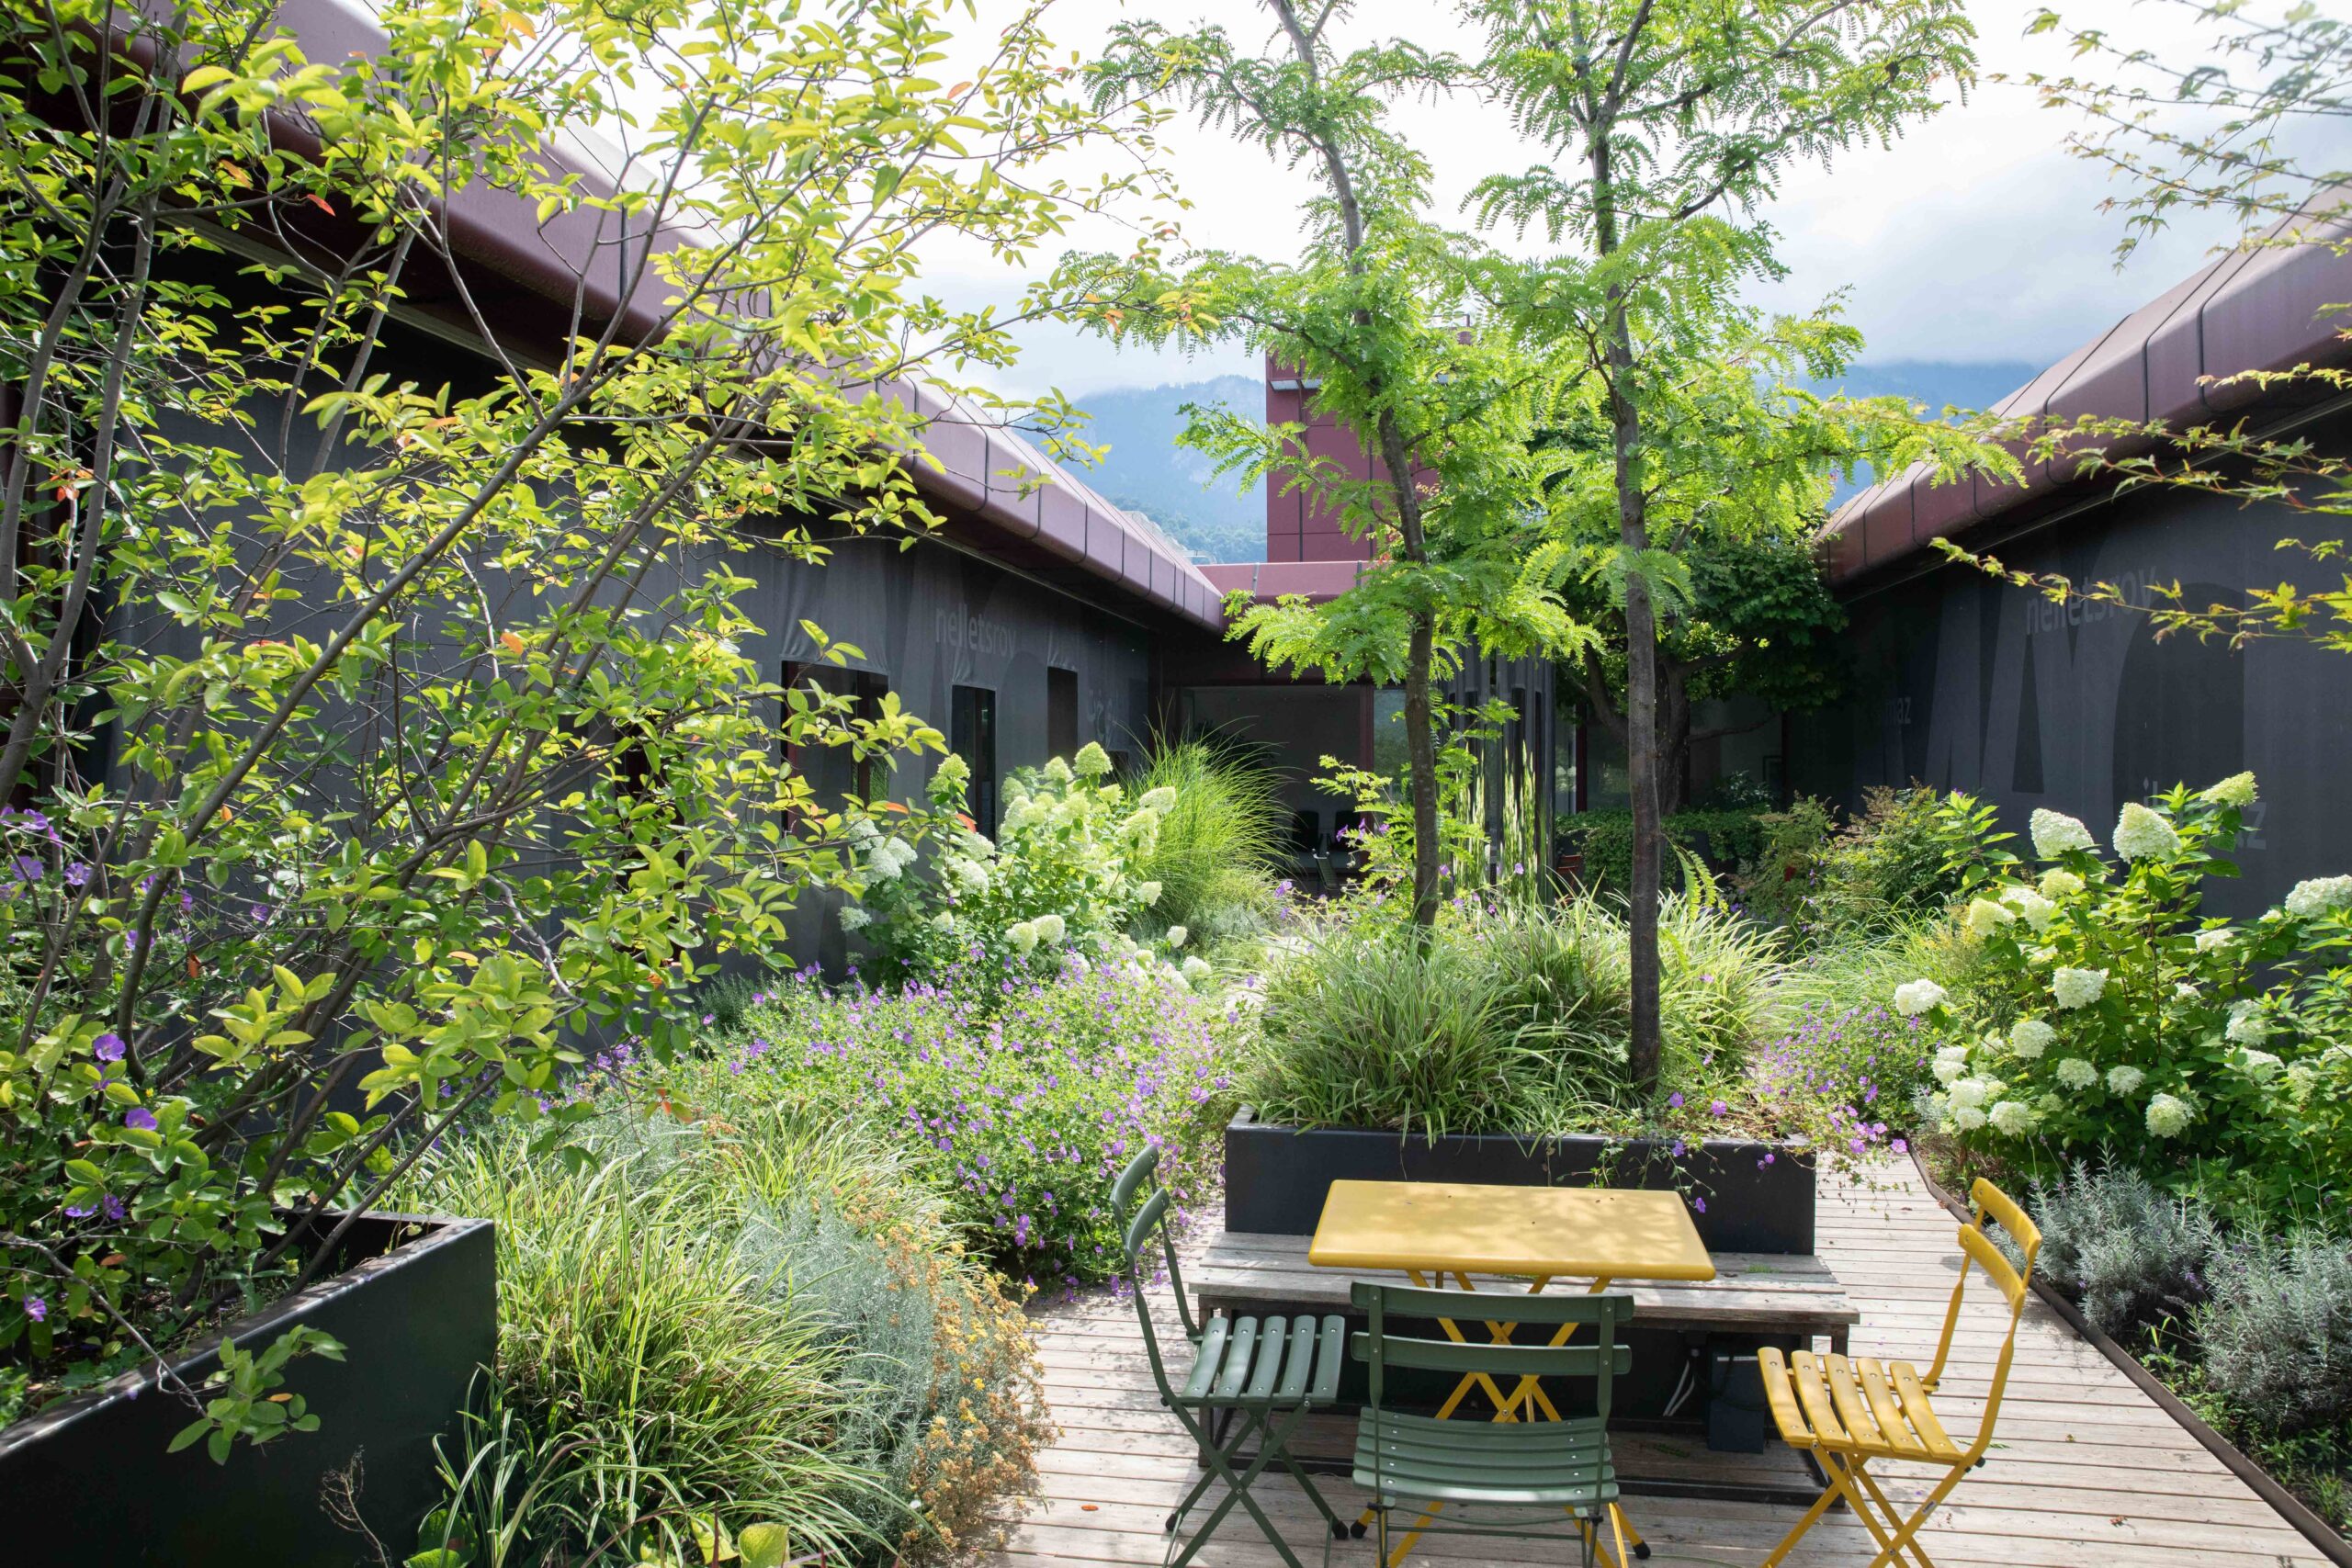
pixel 1756 1291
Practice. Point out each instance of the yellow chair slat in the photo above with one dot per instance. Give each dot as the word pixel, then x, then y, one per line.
pixel 1781 1396
pixel 1997 1269
pixel 2003 1210
pixel 1813 1396
pixel 1845 1396
pixel 1880 1394
pixel 1922 1414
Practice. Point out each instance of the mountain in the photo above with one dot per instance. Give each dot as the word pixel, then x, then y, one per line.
pixel 1221 520
pixel 1938 383
pixel 1147 471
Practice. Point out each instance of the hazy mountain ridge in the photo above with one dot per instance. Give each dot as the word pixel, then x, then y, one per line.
pixel 1147 471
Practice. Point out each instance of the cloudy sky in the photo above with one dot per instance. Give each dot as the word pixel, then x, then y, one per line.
pixel 1976 237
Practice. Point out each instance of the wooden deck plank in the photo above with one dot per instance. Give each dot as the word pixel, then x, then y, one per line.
pixel 2081 1459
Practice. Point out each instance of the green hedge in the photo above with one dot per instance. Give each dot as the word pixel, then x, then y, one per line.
pixel 1723 839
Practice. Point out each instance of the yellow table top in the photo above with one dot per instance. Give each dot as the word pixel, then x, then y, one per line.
pixel 1554 1232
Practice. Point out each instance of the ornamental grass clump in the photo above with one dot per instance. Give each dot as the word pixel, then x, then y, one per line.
pixel 1019 1105
pixel 2107 1012
pixel 725 1322
pixel 1508 1018
pixel 1218 841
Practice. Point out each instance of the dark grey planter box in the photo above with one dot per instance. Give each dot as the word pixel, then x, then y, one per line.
pixel 416 1308
pixel 1276 1177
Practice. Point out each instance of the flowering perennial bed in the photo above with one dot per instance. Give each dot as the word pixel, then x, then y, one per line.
pixel 1019 1103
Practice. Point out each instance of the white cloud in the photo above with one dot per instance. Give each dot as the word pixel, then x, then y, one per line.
pixel 1974 237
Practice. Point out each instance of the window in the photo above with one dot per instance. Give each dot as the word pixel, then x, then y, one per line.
pixel 1062 712
pixel 971 735
pixel 835 771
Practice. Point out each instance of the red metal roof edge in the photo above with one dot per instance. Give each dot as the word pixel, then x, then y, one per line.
pixel 2251 309
pixel 982 468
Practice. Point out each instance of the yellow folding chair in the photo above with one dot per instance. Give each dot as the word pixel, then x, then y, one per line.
pixel 1848 1413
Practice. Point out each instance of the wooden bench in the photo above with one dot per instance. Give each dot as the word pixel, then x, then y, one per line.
pixel 1752 1293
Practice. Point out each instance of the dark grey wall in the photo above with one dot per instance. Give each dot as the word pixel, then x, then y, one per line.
pixel 1963 683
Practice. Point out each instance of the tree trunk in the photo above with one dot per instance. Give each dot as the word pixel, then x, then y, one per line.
pixel 1673 740
pixel 1420 753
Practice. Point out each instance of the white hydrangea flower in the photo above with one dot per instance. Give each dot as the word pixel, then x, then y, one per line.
pixel 1023 937
pixel 2077 988
pixel 1178 935
pixel 1951 1065
pixel 971 874
pixel 2236 790
pixel 2076 1073
pixel 1092 762
pixel 1058 771
pixel 2167 1116
pixel 1050 929
pixel 1916 997
pixel 2185 991
pixel 1972 1091
pixel 2259 1065
pixel 2318 895
pixel 1148 892
pixel 2248 1027
pixel 2032 907
pixel 1162 799
pixel 2300 1077
pixel 2054 833
pixel 854 919
pixel 2060 882
pixel 2220 936
pixel 2125 1079
pixel 2140 833
pixel 1963 1119
pixel 1197 969
pixel 1984 917
pixel 2012 1117
pixel 2031 1037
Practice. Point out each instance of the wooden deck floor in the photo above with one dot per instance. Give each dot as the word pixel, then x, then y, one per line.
pixel 2085 1471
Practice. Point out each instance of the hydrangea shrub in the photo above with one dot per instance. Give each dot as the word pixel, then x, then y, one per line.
pixel 1023 1111
pixel 2110 1013
pixel 1059 880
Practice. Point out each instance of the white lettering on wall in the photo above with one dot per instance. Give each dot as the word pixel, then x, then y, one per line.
pixel 974 635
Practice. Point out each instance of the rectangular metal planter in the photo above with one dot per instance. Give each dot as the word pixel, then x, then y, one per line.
pixel 1276 1177
pixel 88 1480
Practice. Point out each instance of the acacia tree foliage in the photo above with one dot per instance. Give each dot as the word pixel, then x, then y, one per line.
pixel 381 717
pixel 1669 121
pixel 1392 318
pixel 2250 126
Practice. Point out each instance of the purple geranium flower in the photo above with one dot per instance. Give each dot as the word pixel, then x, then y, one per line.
pixel 36 1309
pixel 107 1048
pixel 140 1119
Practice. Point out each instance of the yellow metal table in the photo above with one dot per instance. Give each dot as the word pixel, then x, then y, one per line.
pixel 1439 1231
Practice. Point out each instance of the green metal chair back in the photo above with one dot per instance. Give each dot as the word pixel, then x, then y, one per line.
pixel 1146 1226
pixel 1600 1357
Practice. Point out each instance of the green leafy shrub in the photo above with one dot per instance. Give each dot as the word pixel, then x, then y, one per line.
pixel 1064 876
pixel 1019 1107
pixel 1904 857
pixel 2125 1248
pixel 710 1324
pixel 2277 1334
pixel 1222 832
pixel 1723 840
pixel 1778 882
pixel 2106 1012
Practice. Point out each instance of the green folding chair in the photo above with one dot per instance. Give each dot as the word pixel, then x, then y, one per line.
pixel 1424 1463
pixel 1259 1378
